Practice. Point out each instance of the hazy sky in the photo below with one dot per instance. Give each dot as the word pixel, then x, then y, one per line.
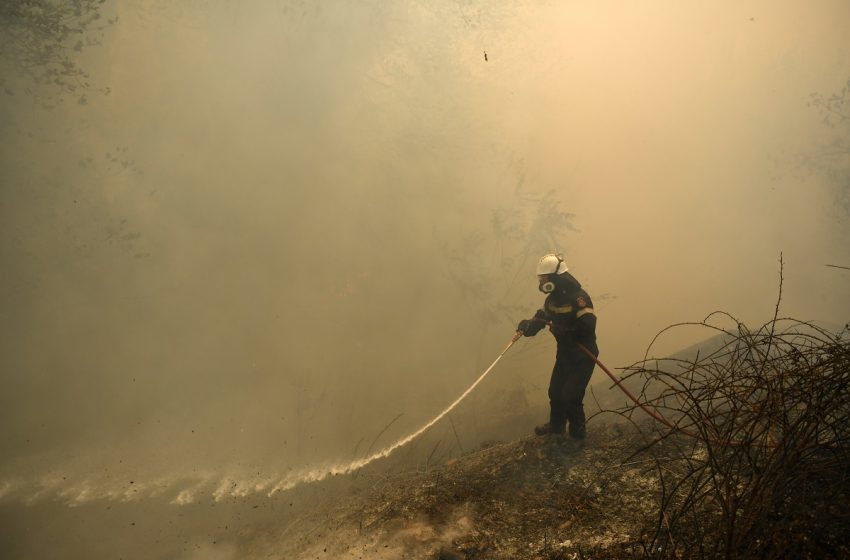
pixel 270 227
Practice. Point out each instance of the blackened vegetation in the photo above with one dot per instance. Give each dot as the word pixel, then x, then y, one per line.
pixel 534 498
pixel 764 471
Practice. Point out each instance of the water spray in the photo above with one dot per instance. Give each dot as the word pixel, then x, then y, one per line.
pixel 317 474
pixel 227 486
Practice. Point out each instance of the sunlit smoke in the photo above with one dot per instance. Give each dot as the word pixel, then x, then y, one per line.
pixel 81 492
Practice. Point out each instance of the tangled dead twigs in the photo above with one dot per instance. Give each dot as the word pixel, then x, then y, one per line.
pixel 765 473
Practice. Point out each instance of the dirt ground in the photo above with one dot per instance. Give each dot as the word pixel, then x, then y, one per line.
pixel 537 497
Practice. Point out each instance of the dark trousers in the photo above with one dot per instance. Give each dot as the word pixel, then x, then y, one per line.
pixel 570 377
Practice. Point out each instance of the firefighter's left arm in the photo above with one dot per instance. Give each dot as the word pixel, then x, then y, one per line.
pixel 585 323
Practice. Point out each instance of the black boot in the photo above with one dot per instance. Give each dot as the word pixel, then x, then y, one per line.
pixel 546 430
pixel 577 432
pixel 557 423
pixel 575 413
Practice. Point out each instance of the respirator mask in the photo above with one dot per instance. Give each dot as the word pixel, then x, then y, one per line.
pixel 546 285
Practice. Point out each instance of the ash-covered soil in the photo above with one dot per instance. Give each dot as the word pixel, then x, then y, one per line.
pixel 538 497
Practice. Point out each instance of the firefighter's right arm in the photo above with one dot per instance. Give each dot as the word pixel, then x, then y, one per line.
pixel 530 327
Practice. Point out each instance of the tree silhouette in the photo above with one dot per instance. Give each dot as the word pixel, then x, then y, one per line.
pixel 533 224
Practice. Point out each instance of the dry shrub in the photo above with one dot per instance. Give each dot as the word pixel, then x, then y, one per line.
pixel 755 464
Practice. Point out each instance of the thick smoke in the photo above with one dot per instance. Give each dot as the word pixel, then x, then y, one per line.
pixel 259 232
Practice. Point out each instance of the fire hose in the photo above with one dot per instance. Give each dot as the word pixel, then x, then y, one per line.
pixel 646 408
pixel 619 383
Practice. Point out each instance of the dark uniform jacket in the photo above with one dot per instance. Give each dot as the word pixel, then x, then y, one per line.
pixel 572 320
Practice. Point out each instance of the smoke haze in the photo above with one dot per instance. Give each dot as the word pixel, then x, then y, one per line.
pixel 266 229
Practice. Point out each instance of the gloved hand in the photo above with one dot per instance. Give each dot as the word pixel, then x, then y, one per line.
pixel 523 326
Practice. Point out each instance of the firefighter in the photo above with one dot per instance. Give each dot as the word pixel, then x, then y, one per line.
pixel 568 311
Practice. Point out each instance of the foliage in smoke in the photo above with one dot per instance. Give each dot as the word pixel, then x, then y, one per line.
pixel 833 155
pixel 834 108
pixel 486 265
pixel 41 39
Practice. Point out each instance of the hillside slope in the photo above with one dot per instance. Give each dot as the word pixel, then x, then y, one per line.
pixel 538 497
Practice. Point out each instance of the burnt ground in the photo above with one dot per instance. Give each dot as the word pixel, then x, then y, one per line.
pixel 530 498
pixel 538 497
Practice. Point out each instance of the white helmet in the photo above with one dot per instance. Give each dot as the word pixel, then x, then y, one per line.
pixel 551 264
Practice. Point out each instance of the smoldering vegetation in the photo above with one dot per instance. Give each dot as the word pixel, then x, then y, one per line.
pixel 244 242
